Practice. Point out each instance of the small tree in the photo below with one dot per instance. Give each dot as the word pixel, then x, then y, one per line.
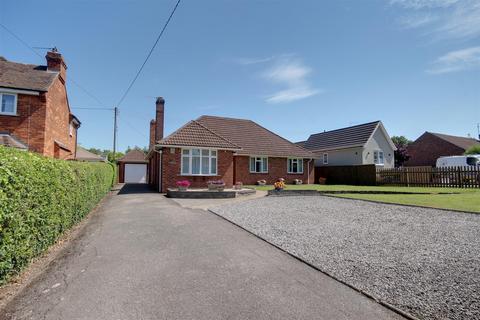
pixel 473 149
pixel 401 154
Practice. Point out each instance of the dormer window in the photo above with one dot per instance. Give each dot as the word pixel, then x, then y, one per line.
pixel 9 103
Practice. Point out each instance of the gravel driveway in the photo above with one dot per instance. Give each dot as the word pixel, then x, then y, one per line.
pixel 423 261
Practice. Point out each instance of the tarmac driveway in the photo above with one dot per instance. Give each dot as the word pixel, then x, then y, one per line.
pixel 142 256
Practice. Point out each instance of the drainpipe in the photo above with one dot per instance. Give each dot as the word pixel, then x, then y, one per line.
pixel 159 169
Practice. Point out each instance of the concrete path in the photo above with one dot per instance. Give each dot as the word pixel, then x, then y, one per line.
pixel 142 256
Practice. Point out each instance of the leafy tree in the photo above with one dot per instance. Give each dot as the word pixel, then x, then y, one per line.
pixel 144 149
pixel 473 149
pixel 401 154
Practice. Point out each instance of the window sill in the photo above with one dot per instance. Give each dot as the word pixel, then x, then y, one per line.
pixel 198 175
pixel 299 173
pixel 9 114
pixel 258 172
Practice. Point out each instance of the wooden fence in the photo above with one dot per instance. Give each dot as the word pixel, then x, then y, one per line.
pixel 456 177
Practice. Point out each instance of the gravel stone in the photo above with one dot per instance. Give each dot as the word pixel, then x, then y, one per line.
pixel 425 262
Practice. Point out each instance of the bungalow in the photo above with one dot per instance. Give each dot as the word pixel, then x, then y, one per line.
pixel 367 143
pixel 214 148
pixel 34 110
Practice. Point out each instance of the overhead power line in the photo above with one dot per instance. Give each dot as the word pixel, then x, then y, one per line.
pixel 149 54
pixel 38 54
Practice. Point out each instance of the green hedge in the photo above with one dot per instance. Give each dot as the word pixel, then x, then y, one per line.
pixel 40 198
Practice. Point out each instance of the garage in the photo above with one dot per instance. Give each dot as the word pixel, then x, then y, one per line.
pixel 132 167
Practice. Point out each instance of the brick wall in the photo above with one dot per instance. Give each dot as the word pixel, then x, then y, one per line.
pixel 277 168
pixel 29 123
pixel 171 170
pixel 428 148
pixel 58 122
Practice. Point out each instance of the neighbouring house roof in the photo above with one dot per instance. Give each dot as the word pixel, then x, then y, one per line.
pixel 350 137
pixel 25 76
pixel 194 134
pixel 461 142
pixel 135 156
pixel 253 138
pixel 85 155
pixel 9 140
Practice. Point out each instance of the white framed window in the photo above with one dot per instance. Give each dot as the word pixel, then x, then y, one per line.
pixel 258 164
pixel 295 165
pixel 378 157
pixel 200 162
pixel 8 103
pixel 325 158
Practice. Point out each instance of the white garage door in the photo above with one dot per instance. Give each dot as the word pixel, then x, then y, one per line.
pixel 135 173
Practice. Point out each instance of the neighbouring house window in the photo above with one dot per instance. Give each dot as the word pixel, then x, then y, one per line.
pixel 378 157
pixel 8 103
pixel 258 164
pixel 199 162
pixel 295 165
pixel 325 158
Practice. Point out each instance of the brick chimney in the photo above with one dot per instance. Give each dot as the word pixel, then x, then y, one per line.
pixel 56 63
pixel 159 118
pixel 152 133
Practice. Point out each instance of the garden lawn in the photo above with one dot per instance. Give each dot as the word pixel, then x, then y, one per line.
pixel 465 200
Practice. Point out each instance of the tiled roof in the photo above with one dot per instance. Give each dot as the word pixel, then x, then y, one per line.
pixel 195 134
pixel 133 156
pixel 355 136
pixel 25 76
pixel 253 138
pixel 85 155
pixel 461 142
pixel 8 140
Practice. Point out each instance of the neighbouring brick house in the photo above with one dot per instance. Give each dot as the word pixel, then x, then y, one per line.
pixel 430 146
pixel 34 110
pixel 213 148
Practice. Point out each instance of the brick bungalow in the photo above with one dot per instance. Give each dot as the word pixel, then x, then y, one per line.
pixel 214 148
pixel 430 146
pixel 34 110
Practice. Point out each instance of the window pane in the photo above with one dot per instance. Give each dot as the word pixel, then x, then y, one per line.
pixel 196 165
pixel 8 103
pixel 289 165
pixel 265 165
pixel 380 156
pixel 205 164
pixel 214 153
pixel 185 165
pixel 252 164
pixel 195 152
pixel 375 157
pixel 185 152
pixel 258 166
pixel 205 153
pixel 214 165
pixel 300 165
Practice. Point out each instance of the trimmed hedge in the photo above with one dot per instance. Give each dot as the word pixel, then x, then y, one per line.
pixel 40 198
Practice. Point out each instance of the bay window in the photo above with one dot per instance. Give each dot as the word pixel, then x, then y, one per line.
pixel 295 165
pixel 258 164
pixel 8 103
pixel 199 162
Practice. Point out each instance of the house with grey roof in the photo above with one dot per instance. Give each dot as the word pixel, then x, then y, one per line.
pixel 367 143
pixel 34 111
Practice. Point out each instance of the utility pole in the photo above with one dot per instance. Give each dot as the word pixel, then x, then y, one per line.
pixel 478 130
pixel 115 115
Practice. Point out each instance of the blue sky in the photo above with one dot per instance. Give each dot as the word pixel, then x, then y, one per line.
pixel 294 67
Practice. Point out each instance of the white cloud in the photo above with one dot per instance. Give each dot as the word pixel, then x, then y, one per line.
pixel 442 18
pixel 454 61
pixel 249 61
pixel 291 73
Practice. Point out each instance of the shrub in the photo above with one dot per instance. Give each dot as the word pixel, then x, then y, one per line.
pixel 183 183
pixel 40 198
pixel 473 150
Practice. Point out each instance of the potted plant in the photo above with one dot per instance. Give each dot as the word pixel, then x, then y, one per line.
pixel 279 185
pixel 297 181
pixel 261 182
pixel 216 185
pixel 183 185
pixel 322 180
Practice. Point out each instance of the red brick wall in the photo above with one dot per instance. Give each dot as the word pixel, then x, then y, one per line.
pixel 29 123
pixel 428 148
pixel 277 168
pixel 58 122
pixel 171 163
